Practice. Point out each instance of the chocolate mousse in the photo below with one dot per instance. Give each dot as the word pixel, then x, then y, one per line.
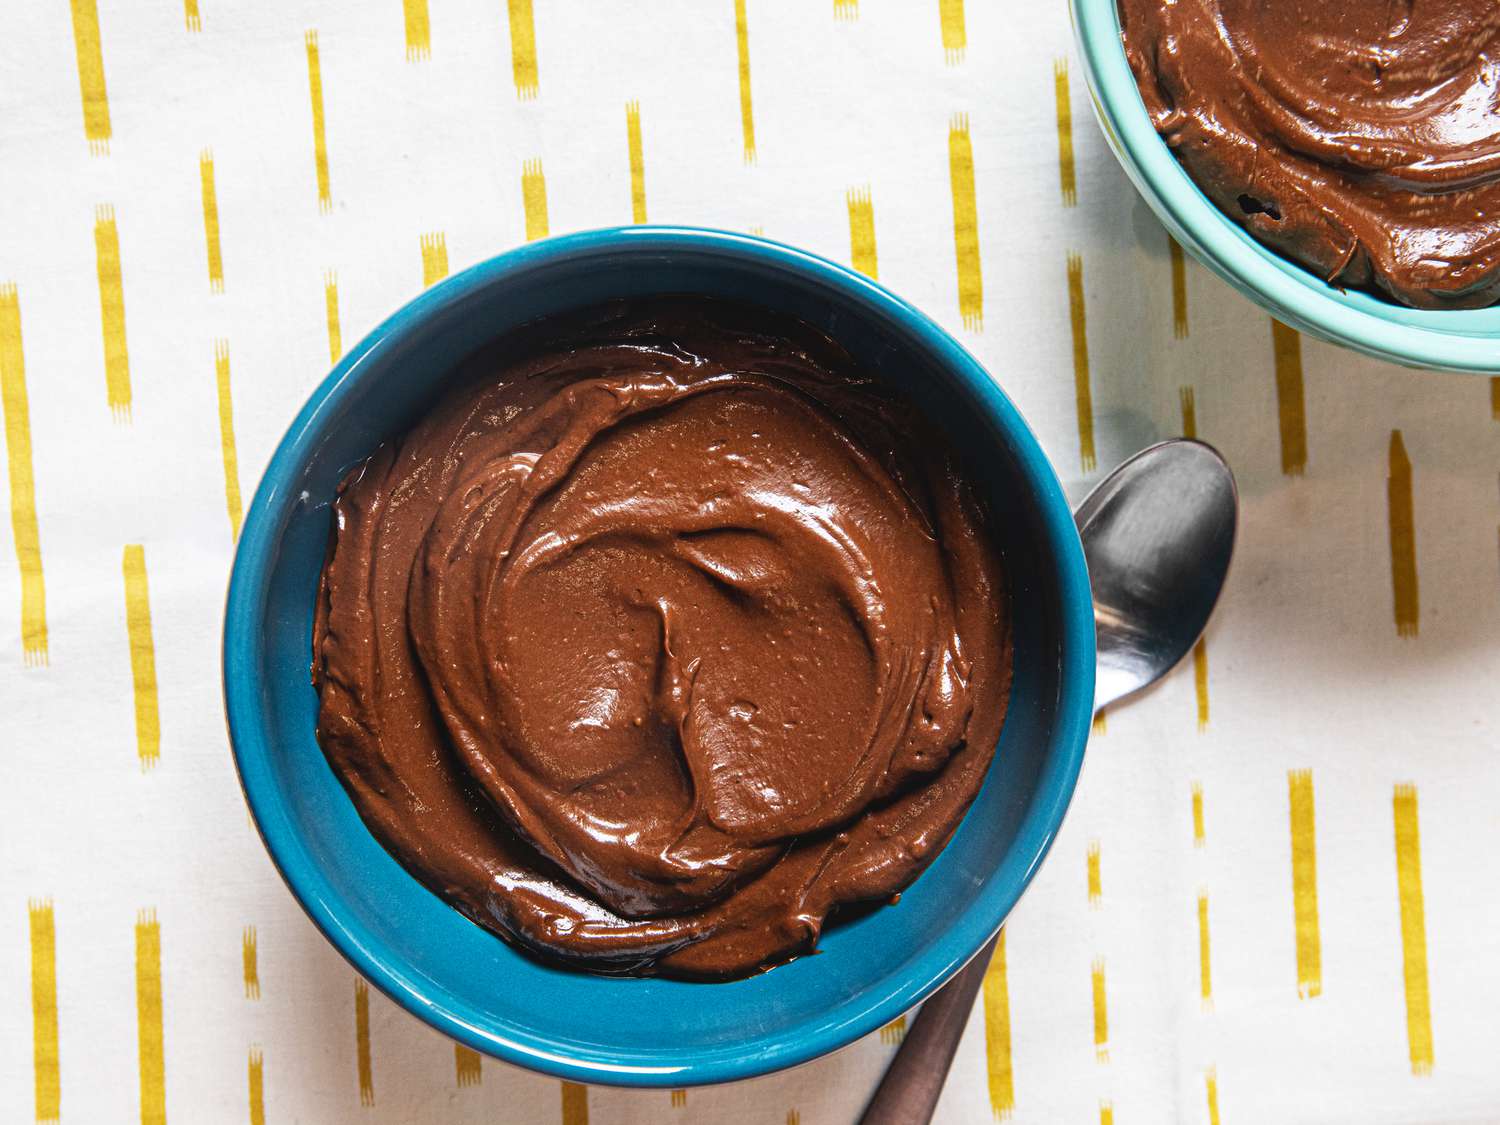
pixel 665 633
pixel 1359 137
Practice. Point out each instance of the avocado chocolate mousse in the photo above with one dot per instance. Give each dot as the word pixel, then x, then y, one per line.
pixel 666 632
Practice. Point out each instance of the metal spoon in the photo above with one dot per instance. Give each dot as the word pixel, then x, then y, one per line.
pixel 1157 533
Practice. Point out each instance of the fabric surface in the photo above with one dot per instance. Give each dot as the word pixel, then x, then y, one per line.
pixel 1273 897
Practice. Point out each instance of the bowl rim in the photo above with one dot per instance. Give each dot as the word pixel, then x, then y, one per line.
pixel 265 520
pixel 1432 338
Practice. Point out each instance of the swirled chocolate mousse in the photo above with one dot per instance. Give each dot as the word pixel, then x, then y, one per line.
pixel 663 635
pixel 1358 137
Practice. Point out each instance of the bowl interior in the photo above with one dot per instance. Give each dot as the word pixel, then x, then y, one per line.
pixel 1457 339
pixel 587 1027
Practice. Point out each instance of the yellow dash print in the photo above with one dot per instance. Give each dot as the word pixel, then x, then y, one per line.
pixel 862 232
pixel 1286 346
pixel 257 1087
pixel 1101 721
pixel 1101 1013
pixel 894 1032
pixel 523 48
pixel 142 656
pixel 23 519
pixel 534 199
pixel 846 9
pixel 44 1053
pixel 467 1065
pixel 1179 288
pixel 965 223
pixel 1413 929
pixel 1305 883
pixel 1198 835
pixel 331 303
pixel 250 955
pixel 955 38
pixel 1205 977
pixel 997 1034
pixel 793 1117
pixel 190 13
pixel 1083 392
pixel 1200 681
pixel 211 222
pixel 1189 412
pixel 149 1019
pixel 1066 172
pixel 1096 882
pixel 1106 1114
pixel 226 439
pixel 362 1042
pixel 418 30
pixel 1495 397
pixel 742 46
pixel 637 162
pixel 1403 540
pixel 575 1104
pixel 1211 1086
pixel 91 75
pixel 434 258
pixel 112 312
pixel 319 125
pixel 679 1099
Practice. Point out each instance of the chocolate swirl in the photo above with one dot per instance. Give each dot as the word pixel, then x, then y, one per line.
pixel 658 643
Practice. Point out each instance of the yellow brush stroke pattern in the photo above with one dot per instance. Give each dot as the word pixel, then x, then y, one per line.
pixel 190 13
pixel 534 199
pixel 211 222
pixel 575 1104
pixel 1305 883
pixel 1211 1087
pixel 1495 397
pixel 523 48
pixel 637 162
pixel 955 38
pixel 894 1032
pixel 1096 880
pixel 44 1052
pixel 1291 407
pixel 1101 721
pixel 1101 1012
pixel 434 257
pixel 1067 174
pixel 997 1034
pixel 257 1087
pixel 23 519
pixel 679 1099
pixel 862 232
pixel 1082 390
pixel 148 1013
pixel 319 125
pixel 363 1065
pixel 418 30
pixel 112 311
pixel 846 9
pixel 965 223
pixel 331 304
pixel 142 655
pixel 226 439
pixel 1189 404
pixel 1198 834
pixel 250 956
pixel 793 1117
pixel 1106 1114
pixel 91 75
pixel 1405 595
pixel 742 48
pixel 1205 975
pixel 1413 929
pixel 1179 288
pixel 467 1066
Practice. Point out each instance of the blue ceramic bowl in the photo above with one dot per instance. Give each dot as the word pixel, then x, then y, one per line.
pixel 465 981
pixel 1452 340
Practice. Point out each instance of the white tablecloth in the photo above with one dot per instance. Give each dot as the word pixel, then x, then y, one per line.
pixel 1274 897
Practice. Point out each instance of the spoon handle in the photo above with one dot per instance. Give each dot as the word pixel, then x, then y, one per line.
pixel 909 1092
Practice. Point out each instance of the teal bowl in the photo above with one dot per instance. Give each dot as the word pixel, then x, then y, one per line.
pixel 1450 340
pixel 465 981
